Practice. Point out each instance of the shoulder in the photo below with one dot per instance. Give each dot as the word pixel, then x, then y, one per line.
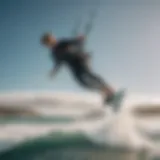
pixel 63 42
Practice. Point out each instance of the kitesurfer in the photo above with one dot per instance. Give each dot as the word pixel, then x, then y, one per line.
pixel 70 52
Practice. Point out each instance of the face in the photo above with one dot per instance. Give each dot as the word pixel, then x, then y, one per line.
pixel 51 41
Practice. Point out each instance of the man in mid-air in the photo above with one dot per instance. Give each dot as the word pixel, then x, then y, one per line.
pixel 71 53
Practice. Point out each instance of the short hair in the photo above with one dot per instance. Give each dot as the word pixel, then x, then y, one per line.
pixel 45 37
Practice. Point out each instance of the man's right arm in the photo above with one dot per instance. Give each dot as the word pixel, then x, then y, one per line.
pixel 55 70
pixel 57 65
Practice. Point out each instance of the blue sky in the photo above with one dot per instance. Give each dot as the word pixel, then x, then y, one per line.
pixel 124 41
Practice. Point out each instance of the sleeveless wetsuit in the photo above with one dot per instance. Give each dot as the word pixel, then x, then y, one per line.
pixel 69 52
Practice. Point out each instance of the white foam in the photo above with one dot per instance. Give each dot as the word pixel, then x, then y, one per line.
pixel 117 130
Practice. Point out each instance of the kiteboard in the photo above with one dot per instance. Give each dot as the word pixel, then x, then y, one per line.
pixel 117 100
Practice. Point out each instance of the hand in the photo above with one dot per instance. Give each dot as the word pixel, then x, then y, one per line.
pixel 86 56
pixel 54 71
pixel 51 74
pixel 81 37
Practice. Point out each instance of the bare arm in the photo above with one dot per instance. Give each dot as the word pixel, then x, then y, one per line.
pixel 55 70
pixel 77 41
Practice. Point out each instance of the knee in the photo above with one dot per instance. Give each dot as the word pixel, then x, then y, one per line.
pixel 82 81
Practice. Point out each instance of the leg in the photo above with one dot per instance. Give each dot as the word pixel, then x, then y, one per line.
pixel 92 81
pixel 98 83
pixel 79 76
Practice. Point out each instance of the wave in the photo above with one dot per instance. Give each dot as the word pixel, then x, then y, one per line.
pixel 33 148
pixel 95 137
pixel 64 146
pixel 85 133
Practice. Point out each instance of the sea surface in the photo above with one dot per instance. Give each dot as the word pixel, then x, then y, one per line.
pixel 69 127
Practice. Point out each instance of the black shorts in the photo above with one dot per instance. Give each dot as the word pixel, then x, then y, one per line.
pixel 89 79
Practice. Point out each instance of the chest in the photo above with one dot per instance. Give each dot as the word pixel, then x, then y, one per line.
pixel 62 47
pixel 65 52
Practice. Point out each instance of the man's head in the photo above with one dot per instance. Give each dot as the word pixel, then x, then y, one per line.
pixel 48 40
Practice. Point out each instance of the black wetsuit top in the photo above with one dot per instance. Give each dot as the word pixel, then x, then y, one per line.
pixel 69 52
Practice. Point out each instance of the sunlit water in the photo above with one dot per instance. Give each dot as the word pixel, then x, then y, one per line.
pixel 67 130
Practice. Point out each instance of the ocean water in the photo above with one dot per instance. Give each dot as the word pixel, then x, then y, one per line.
pixel 74 127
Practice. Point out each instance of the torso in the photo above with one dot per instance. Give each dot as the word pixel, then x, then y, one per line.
pixel 60 52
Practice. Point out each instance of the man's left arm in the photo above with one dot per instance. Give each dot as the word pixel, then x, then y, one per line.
pixel 78 41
